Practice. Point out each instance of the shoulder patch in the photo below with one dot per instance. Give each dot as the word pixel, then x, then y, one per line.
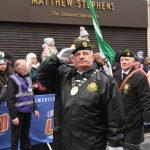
pixel 107 74
pixel 71 65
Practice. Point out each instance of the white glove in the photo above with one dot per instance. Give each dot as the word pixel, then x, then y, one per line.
pixel 115 148
pixel 65 54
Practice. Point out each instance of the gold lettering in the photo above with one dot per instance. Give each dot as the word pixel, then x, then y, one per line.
pixel 98 5
pixel 34 2
pixel 69 3
pixel 108 6
pixel 112 6
pixel 51 2
pixel 57 2
pixel 83 2
pixel 103 5
pixel 54 13
pixel 41 2
pixel 63 3
pixel 45 2
pixel 78 4
pixel 93 3
pixel 87 5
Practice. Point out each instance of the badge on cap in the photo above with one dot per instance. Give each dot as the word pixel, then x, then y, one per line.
pixel 84 44
pixel 127 52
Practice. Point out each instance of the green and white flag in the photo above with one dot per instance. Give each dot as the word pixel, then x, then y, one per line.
pixel 106 51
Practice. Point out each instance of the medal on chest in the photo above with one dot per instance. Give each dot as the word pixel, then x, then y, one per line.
pixel 74 90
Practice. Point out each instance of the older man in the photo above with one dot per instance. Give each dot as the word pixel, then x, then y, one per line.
pixel 20 102
pixel 88 108
pixel 135 91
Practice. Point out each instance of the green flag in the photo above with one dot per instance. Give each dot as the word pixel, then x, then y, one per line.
pixel 106 51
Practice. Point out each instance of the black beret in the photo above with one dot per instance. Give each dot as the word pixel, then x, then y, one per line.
pixel 82 45
pixel 127 53
pixel 8 55
pixel 60 48
pixel 137 58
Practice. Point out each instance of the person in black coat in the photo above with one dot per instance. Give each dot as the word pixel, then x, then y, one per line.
pixel 116 64
pixel 136 99
pixel 88 109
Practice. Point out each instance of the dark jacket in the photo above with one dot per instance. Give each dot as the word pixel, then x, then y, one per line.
pixel 12 90
pixel 88 119
pixel 116 64
pixel 136 105
pixel 146 68
pixel 3 78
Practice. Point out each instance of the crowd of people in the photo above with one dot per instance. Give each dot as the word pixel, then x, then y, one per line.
pixel 92 108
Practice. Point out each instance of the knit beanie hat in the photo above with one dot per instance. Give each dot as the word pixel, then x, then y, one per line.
pixel 48 40
pixel 83 32
pixel 141 52
pixel 8 55
pixel 2 60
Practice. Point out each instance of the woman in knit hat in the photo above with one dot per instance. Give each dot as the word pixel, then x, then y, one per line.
pixel 49 48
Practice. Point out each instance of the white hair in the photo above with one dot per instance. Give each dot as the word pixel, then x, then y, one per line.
pixel 30 56
pixel 29 60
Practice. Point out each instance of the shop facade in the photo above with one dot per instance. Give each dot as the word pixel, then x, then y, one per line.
pixel 25 23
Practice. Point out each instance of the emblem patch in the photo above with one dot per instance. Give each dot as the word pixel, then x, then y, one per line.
pixel 127 52
pixel 84 44
pixel 92 87
pixel 126 88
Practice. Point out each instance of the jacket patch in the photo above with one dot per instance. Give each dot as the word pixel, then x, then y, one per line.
pixel 92 87
pixel 126 88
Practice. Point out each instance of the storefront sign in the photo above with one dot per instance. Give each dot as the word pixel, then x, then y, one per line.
pixel 79 4
pixel 115 13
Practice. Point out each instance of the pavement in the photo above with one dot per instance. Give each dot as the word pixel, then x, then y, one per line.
pixel 146 143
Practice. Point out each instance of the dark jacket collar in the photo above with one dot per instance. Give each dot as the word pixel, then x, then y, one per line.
pixel 86 73
pixel 2 72
pixel 118 73
pixel 21 75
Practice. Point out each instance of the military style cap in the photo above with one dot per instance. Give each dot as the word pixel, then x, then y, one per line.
pixel 83 45
pixel 136 58
pixel 127 53
pixel 8 55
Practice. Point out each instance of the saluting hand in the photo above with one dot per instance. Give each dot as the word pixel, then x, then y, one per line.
pixel 65 54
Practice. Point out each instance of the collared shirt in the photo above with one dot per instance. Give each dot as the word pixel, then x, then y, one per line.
pixel 127 72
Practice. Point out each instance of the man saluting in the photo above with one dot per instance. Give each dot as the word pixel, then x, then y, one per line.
pixel 88 109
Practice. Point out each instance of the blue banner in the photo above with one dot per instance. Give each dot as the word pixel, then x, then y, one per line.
pixel 5 132
pixel 41 130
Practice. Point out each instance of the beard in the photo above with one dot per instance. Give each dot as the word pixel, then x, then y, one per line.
pixel 8 66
